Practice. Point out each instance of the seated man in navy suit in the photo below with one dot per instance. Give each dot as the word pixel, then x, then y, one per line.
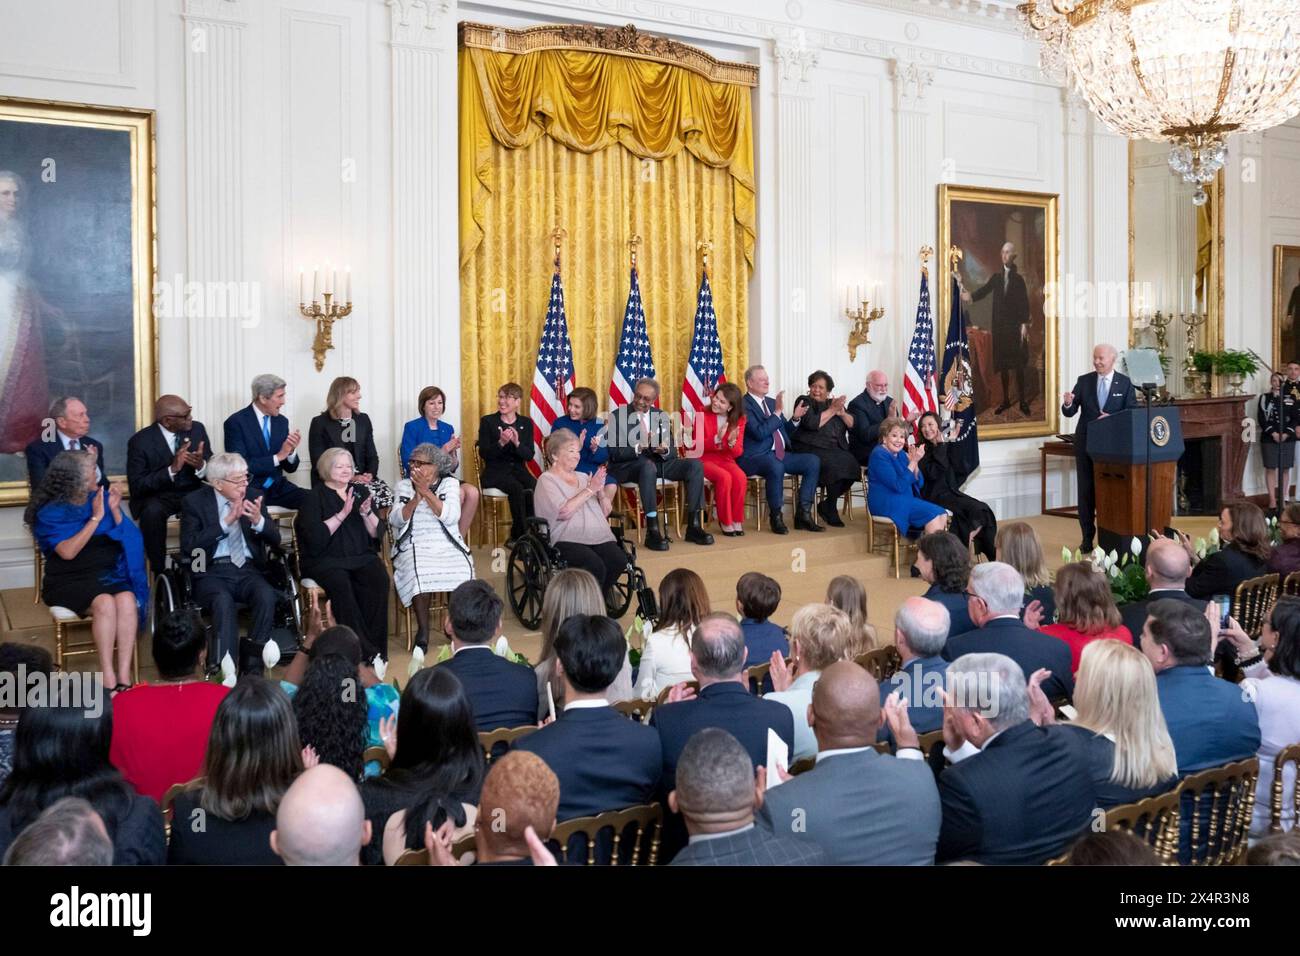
pixel 165 461
pixel 1015 793
pixel 920 633
pixel 225 534
pixel 501 692
pixel 261 435
pixel 604 760
pixel 996 593
pixel 869 409
pixel 767 453
pixel 1168 568
pixel 71 424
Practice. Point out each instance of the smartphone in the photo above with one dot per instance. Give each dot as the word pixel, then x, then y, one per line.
pixel 1225 609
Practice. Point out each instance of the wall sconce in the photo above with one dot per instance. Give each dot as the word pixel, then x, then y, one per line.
pixel 862 316
pixel 325 306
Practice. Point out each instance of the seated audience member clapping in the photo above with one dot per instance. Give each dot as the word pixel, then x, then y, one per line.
pixel 1085 610
pixel 717 795
pixel 895 481
pixel 823 431
pixel 1019 546
pixel 1285 558
pixel 972 520
pixel 253 756
pixel 72 422
pixel 225 536
pixel 860 807
pixel 603 760
pixel 501 692
pixel 1015 793
pixel 944 564
pixel 321 820
pixel 429 428
pixel 820 635
pixel 1244 554
pixel 666 656
pixel 505 442
pixel 581 419
pixel 722 441
pixel 1167 571
pixel 261 435
pixel 18 663
pixel 67 833
pixel 576 510
pixel 94 558
pixel 436 770
pixel 429 555
pixel 63 752
pixel 994 603
pixel 338 533
pixel 921 628
pixel 1119 719
pixel 570 592
pixel 847 593
pixel 160 730
pixel 165 461
pixel 757 597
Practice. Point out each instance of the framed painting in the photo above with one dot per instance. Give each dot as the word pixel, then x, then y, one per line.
pixel 1007 274
pixel 77 259
pixel 1286 306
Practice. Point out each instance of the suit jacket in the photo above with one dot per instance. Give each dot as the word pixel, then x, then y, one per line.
pixel 1030 649
pixel 761 425
pixel 604 761
pixel 496 455
pixel 1135 613
pixel 202 530
pixel 867 414
pixel 625 434
pixel 959 621
pixel 148 458
pixel 243 436
pixel 326 432
pixel 1101 757
pixel 41 453
pixel 862 809
pixel 1210 720
pixel 1021 800
pixel 1085 400
pixel 756 847
pixel 1010 312
pixel 501 692
pixel 1221 572
pixel 729 706
pixel 921 680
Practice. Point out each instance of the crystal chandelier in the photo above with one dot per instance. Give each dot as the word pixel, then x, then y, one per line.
pixel 1186 72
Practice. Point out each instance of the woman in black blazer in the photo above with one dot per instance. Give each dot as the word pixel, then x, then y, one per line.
pixel 343 425
pixel 1244 554
pixel 505 442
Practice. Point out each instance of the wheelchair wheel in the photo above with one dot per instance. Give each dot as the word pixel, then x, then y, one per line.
pixel 619 597
pixel 164 601
pixel 526 577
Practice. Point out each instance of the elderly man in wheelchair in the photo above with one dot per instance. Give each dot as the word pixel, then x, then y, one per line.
pixel 230 557
pixel 572 528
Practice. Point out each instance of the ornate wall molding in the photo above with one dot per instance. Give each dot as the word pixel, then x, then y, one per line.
pixel 911 82
pixel 225 11
pixel 418 23
pixel 795 63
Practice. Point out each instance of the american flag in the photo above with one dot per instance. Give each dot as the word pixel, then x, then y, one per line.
pixel 918 380
pixel 704 369
pixel 634 360
pixel 553 378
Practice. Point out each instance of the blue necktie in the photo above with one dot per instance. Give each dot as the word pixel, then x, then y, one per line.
pixel 1101 393
pixel 266 434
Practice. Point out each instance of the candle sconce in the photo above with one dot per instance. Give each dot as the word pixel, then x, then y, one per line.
pixel 325 309
pixel 861 317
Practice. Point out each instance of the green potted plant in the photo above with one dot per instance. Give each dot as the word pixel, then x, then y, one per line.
pixel 1203 364
pixel 1236 365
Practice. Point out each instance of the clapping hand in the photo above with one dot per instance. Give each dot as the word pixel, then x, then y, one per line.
pixel 781 672
pixel 1034 615
pixel 596 483
pixel 594 443
pixel 347 503
pixel 388 734
pixel 367 503
pixel 97 505
pixel 680 692
pixel 181 458
pixel 309 757
pixel 290 443
pixel 914 455
pixel 115 500
pixel 800 409
pixel 953 738
pixel 195 458
pixel 1041 711
pixel 252 509
pixel 438 843
pixel 899 721
pixel 778 404
pixel 452 444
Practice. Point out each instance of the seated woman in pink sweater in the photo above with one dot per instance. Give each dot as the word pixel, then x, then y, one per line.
pixel 1085 610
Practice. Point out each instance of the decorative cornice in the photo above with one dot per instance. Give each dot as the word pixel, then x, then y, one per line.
pixel 625 40
pixel 994 14
pixel 222 11
pixel 910 82
pixel 417 22
pixel 796 62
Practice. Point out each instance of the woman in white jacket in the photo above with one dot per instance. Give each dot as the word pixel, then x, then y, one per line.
pixel 429 555
pixel 666 656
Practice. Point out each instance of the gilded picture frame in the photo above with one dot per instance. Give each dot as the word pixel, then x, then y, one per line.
pixel 1005 349
pixel 78 254
pixel 1286 298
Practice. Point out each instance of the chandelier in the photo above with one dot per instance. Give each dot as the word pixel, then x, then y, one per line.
pixel 1186 72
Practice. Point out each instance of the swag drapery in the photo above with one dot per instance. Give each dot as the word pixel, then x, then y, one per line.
pixel 604 145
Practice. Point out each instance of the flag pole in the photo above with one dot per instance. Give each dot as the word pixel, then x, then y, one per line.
pixel 558 235
pixel 704 247
pixel 632 248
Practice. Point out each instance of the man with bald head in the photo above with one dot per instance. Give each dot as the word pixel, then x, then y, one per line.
pixel 1101 392
pixel 861 807
pixel 321 820
pixel 921 629
pixel 1168 569
pixel 164 462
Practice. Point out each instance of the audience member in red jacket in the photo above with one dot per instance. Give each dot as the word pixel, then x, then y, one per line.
pixel 1085 610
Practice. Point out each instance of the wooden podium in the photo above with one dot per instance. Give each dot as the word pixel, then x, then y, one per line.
pixel 1120 446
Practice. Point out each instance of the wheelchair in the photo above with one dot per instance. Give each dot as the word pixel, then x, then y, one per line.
pixel 533 560
pixel 173 590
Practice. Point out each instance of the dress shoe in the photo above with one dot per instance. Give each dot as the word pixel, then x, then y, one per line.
pixel 1024 408
pixel 654 537
pixel 695 532
pixel 830 514
pixel 778 524
pixel 1001 408
pixel 804 521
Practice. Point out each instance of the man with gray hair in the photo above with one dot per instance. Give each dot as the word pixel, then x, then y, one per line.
pixel 997 592
pixel 920 633
pixel 1168 568
pixel 1014 793
pixel 67 833
pixel 321 820
pixel 718 793
pixel 225 535
pixel 871 407
pixel 768 453
pixel 261 434
pixel 71 424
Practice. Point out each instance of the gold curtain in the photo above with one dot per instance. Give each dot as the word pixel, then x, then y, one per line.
pixel 630 147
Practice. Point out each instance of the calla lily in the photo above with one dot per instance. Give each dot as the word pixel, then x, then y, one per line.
pixel 228 667
pixel 1214 536
pixel 229 680
pixel 1136 547
pixel 1065 554
pixel 1098 553
pixel 1078 555
pixel 444 654
pixel 1107 562
pixel 380 665
pixel 1114 556
pixel 417 662
pixel 502 647
pixel 1114 571
pixel 270 654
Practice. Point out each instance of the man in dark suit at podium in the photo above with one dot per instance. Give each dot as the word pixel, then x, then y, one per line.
pixel 1101 392
pixel 164 463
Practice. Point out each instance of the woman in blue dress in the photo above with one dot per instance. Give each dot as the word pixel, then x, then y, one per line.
pixel 431 429
pixel 894 482
pixel 582 421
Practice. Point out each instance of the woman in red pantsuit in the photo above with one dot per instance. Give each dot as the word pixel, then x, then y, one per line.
pixel 724 441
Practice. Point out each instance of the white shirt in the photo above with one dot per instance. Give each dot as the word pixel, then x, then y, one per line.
pixel 822 755
pixel 967 749
pixel 586 704
pixel 170 439
pixel 472 647
pixel 81 446
pixel 263 429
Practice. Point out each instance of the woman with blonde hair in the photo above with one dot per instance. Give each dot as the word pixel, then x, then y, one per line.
pixel 666 656
pixel 343 425
pixel 1128 743
pixel 1018 545
pixel 570 592
pixel 1085 611
pixel 820 635
pixel 846 593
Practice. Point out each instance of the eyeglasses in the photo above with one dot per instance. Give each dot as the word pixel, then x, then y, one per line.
pixel 236 480
pixel 419 463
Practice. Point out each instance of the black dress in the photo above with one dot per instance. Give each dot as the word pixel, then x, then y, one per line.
pixel 75 584
pixel 382 798
pixel 942 488
pixel 220 842
pixel 830 443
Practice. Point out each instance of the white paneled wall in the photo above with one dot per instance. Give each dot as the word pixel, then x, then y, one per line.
pixel 292 132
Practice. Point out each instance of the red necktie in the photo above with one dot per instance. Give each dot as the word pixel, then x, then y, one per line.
pixel 778 439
